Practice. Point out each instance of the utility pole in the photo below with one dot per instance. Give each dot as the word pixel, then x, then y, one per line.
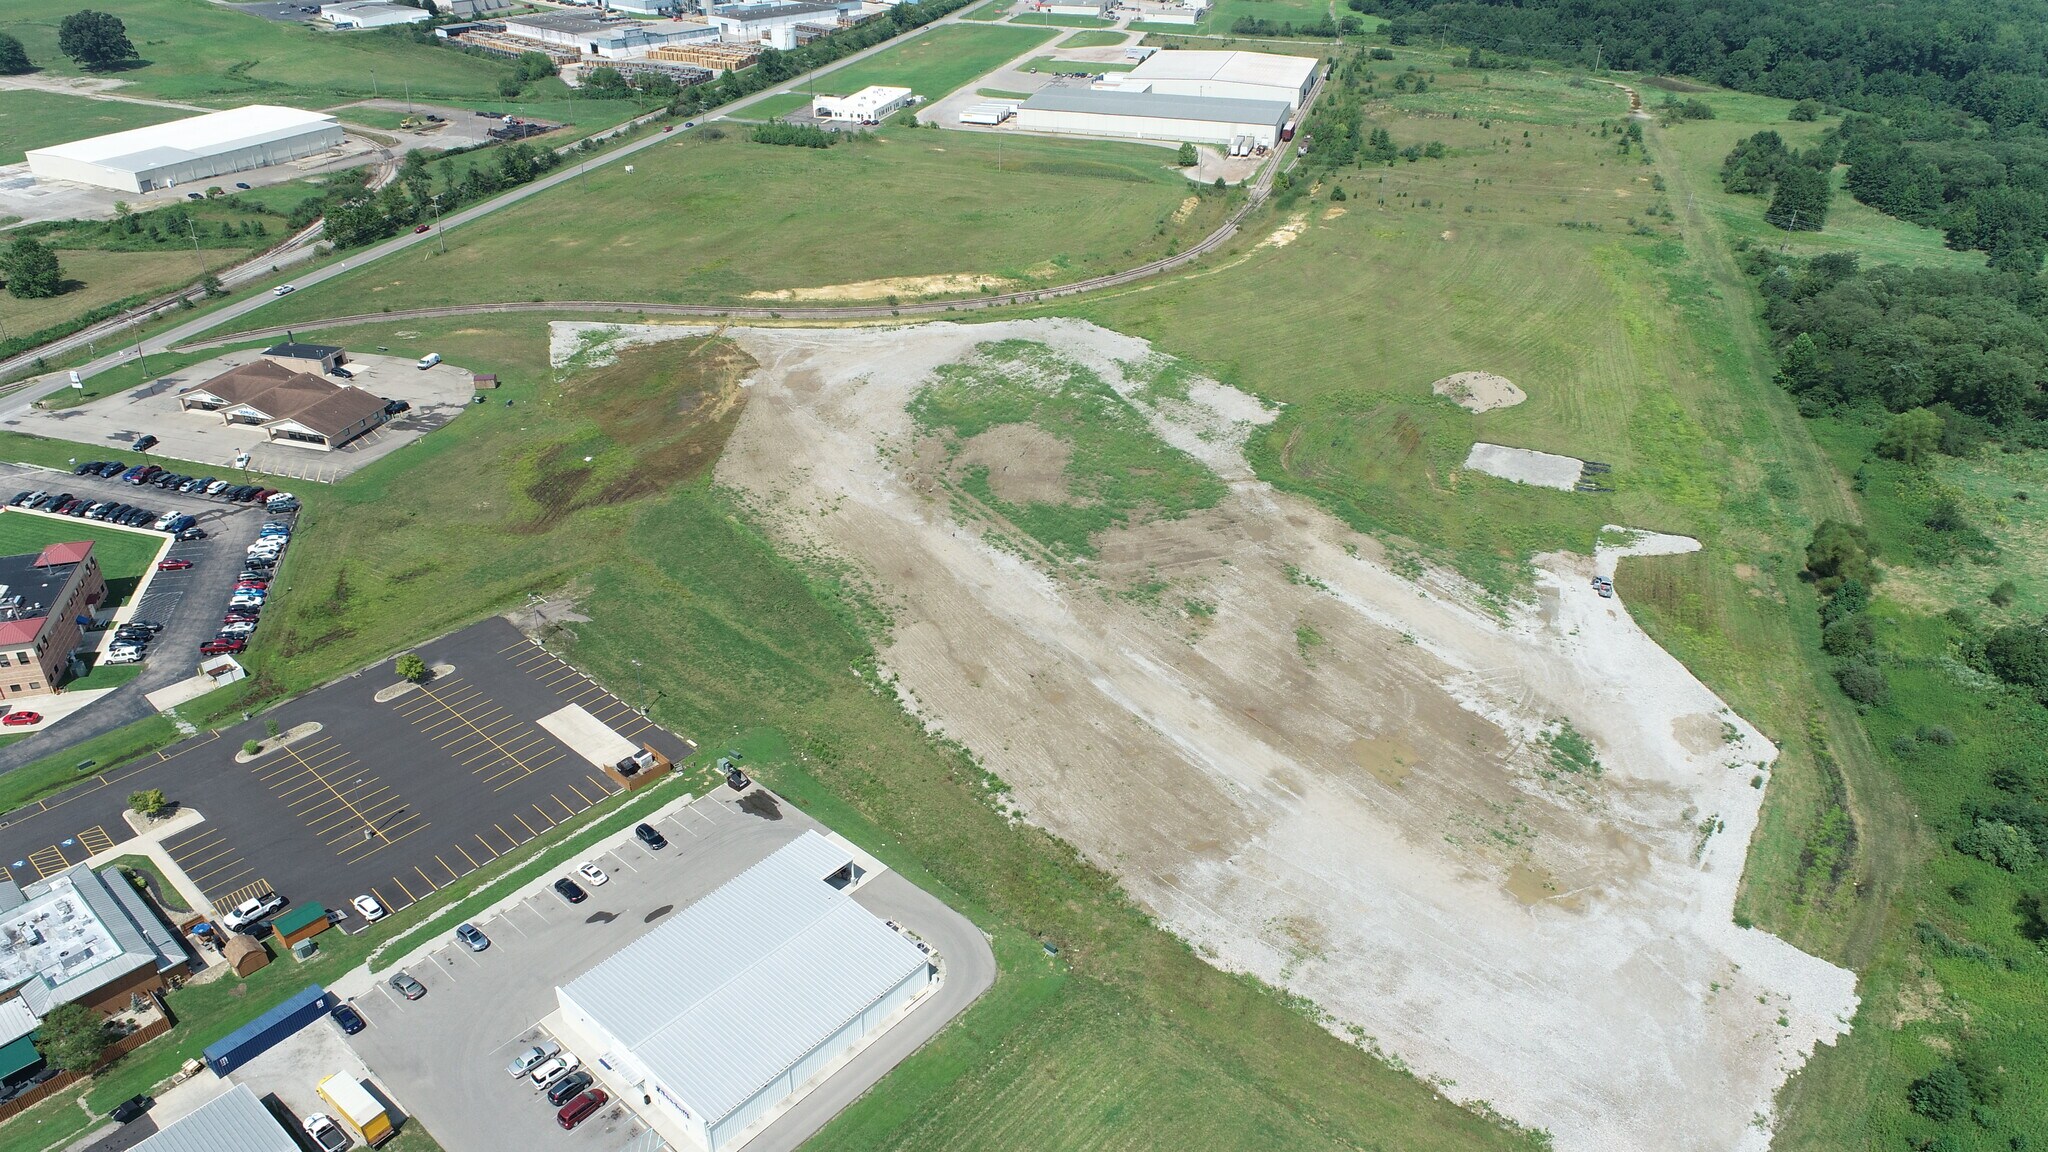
pixel 1596 57
pixel 440 234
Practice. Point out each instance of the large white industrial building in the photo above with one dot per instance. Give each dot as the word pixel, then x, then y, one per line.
pixel 774 24
pixel 1152 116
pixel 184 151
pixel 1226 75
pixel 735 1003
pixel 605 37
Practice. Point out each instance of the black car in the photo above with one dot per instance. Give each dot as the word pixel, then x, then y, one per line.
pixel 394 407
pixel 571 891
pixel 192 534
pixel 144 443
pixel 92 466
pixel 649 836
pixel 351 1021
pixel 20 498
pixel 112 468
pixel 568 1088
pixel 129 1109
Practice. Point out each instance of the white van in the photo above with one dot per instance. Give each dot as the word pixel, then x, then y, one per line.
pixel 429 360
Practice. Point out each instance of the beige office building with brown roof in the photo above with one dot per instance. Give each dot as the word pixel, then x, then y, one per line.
pixel 292 407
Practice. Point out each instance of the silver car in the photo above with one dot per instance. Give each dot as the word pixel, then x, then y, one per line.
pixel 530 1057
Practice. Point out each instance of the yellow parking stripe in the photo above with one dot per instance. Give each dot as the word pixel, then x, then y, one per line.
pixel 409 897
pixel 466 855
pixel 487 844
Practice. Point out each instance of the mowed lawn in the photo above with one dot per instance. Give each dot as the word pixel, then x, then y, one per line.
pixel 212 54
pixel 123 556
pixel 708 221
pixel 934 64
pixel 32 119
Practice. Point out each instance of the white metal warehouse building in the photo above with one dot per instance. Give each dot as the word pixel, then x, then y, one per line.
pixel 1151 116
pixel 1227 75
pixel 184 151
pixel 730 1007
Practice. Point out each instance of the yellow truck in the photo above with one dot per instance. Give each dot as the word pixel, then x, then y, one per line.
pixel 357 1109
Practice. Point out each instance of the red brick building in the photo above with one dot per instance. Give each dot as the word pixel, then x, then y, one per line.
pixel 42 596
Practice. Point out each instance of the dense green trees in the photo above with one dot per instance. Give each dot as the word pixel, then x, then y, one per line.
pixel 31 269
pixel 94 39
pixel 72 1037
pixel 13 57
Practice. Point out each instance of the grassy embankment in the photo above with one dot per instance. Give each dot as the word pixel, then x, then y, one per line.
pixel 738 219
pixel 934 64
pixel 1094 39
pixel 500 504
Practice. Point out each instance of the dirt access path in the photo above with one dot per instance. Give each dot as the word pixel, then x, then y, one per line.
pixel 1349 783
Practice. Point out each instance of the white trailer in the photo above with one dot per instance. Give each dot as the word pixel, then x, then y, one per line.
pixel 987 114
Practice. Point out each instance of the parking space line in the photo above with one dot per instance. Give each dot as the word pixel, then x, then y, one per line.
pixel 466 855
pixel 95 840
pixel 47 861
pixel 409 897
pixel 452 873
pixel 565 806
pixel 538 811
pixel 522 820
pixel 487 845
pixel 380 897
pixel 587 801
pixel 513 840
pixel 520 644
pixel 428 880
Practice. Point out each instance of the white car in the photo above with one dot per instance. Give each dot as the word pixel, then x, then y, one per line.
pixel 326 1133
pixel 558 1066
pixel 238 628
pixel 368 906
pixel 283 290
pixel 250 911
pixel 592 873
pixel 123 656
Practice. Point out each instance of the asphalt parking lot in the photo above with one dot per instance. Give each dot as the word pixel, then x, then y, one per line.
pixel 448 1050
pixel 395 799
pixel 187 603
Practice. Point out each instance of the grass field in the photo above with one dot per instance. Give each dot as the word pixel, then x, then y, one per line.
pixel 780 104
pixel 549 101
pixel 993 10
pixel 211 54
pixel 1128 1038
pixel 123 555
pixel 934 64
pixel 1051 64
pixel 735 217
pixel 1050 20
pixel 32 119
pixel 1094 39
pixel 1851 227
pixel 95 278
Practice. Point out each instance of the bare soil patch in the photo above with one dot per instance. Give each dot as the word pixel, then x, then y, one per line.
pixel 1375 819
pixel 950 285
pixel 1479 391
pixel 1026 464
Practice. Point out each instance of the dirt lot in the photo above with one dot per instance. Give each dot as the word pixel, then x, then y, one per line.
pixel 1505 851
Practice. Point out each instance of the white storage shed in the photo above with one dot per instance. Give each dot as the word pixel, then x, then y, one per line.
pixel 185 151
pixel 870 105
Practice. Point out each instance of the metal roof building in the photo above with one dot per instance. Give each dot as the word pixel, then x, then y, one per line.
pixel 184 151
pixel 372 14
pixel 735 1003
pixel 1151 116
pixel 236 1120
pixel 1228 75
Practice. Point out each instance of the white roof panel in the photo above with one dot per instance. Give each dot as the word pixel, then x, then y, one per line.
pixel 236 1119
pixel 205 135
pixel 1229 67
pixel 733 990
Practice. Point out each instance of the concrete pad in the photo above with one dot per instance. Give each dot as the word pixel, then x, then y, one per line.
pixel 110 424
pixel 183 692
pixel 297 1064
pixel 588 736
pixel 53 707
pixel 1525 466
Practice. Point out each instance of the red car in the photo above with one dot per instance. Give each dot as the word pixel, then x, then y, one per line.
pixel 420 229
pixel 252 585
pixel 24 719
pixel 581 1108
pixel 214 647
pixel 173 565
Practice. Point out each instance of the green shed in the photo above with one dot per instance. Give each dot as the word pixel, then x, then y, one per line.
pixel 301 923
